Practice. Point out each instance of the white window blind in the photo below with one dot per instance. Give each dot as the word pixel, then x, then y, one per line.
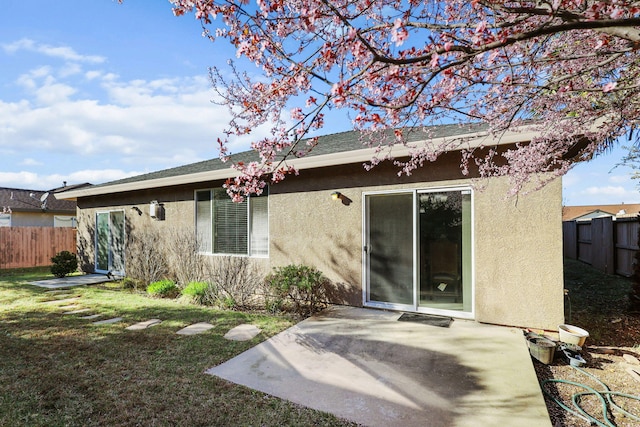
pixel 259 214
pixel 230 224
pixel 225 227
pixel 203 220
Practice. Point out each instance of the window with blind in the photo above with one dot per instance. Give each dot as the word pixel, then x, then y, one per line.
pixel 225 227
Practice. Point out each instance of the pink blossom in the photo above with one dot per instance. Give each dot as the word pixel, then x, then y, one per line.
pixel 483 61
pixel 399 33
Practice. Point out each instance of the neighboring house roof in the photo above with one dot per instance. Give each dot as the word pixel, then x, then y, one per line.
pixel 22 200
pixel 331 150
pixel 571 213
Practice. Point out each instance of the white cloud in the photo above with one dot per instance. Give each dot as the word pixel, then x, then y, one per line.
pixel 61 52
pixel 32 180
pixel 30 162
pixel 78 123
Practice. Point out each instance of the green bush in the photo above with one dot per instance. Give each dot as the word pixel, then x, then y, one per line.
pixel 64 263
pixel 300 286
pixel 163 289
pixel 197 291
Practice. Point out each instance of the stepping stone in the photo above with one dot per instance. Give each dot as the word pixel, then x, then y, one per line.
pixel 57 292
pixel 108 321
pixel 242 332
pixel 68 307
pixel 62 301
pixel 91 316
pixel 144 325
pixel 81 310
pixel 196 328
pixel 61 296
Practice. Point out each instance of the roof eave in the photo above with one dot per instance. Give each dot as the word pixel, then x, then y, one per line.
pixel 458 142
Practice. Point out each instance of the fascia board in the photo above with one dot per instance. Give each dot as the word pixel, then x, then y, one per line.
pixel 457 142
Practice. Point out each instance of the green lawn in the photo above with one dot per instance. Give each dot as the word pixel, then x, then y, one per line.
pixel 61 370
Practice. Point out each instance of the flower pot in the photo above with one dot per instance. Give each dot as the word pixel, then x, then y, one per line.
pixel 572 334
pixel 542 349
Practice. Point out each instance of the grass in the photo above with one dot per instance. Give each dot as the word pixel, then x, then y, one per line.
pixel 61 370
pixel 598 302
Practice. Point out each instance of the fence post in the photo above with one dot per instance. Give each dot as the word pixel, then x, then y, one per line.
pixel 570 239
pixel 602 244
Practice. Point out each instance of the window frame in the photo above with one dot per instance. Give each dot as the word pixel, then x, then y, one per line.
pixel 209 234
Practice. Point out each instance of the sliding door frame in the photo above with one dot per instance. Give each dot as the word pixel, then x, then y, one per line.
pixel 366 262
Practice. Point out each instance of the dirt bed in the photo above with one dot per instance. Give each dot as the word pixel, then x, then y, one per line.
pixel 609 366
pixel 598 303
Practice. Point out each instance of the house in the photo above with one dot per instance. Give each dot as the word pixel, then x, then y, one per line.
pixel 578 213
pixel 36 208
pixel 429 242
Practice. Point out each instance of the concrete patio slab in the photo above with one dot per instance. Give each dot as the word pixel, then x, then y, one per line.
pixel 242 333
pixel 196 328
pixel 144 325
pixel 365 366
pixel 71 281
pixel 108 321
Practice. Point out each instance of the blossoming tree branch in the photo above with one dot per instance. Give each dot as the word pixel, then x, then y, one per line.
pixel 569 68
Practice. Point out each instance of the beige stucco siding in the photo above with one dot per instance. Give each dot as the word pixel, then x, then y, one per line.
pixel 178 208
pixel 517 242
pixel 518 256
pixel 179 216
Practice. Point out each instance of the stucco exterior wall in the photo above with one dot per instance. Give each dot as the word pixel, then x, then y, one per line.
pixel 517 248
pixel 518 256
pixel 178 214
pixel 517 243
pixel 178 217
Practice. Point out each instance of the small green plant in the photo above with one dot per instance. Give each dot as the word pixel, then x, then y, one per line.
pixel 64 263
pixel 228 302
pixel 163 289
pixel 273 304
pixel 196 291
pixel 301 286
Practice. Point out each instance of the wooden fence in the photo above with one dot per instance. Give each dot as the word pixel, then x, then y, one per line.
pixel 34 246
pixel 605 244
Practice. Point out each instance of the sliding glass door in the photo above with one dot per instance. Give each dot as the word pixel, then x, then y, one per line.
pixel 390 248
pixel 109 243
pixel 418 251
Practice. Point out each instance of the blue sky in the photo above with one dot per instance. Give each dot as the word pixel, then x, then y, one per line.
pixel 92 91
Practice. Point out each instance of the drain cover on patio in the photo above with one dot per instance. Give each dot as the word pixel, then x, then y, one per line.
pixel 443 322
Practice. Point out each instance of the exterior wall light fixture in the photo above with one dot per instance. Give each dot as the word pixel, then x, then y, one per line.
pixel 336 195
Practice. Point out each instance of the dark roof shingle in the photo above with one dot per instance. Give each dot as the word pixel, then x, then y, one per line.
pixel 21 200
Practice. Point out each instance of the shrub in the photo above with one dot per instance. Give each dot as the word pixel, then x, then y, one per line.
pixel 299 285
pixel 64 263
pixel 163 289
pixel 197 291
pixel 146 259
pixel 238 282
